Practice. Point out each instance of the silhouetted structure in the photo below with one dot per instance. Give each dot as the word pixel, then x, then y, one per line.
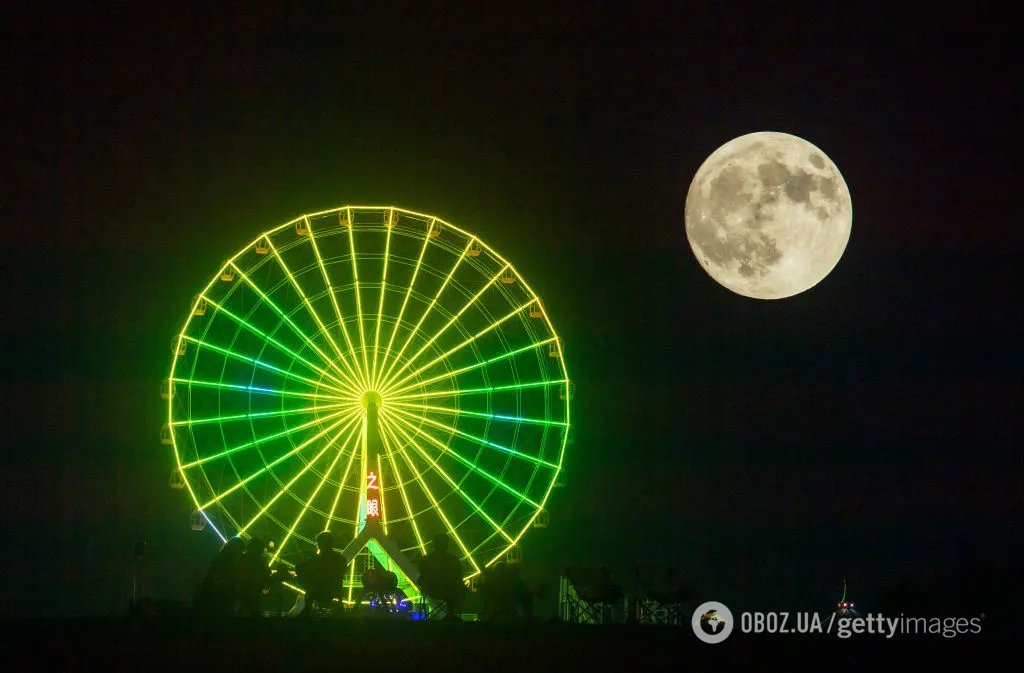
pixel 660 598
pixel 218 592
pixel 441 577
pixel 321 576
pixel 280 573
pixel 588 595
pixel 505 595
pixel 255 578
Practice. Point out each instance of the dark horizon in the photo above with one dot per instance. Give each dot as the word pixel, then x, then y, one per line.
pixel 867 429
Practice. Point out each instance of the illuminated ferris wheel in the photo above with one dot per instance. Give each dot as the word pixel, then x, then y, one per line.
pixel 369 367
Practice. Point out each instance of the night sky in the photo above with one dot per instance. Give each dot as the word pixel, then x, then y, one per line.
pixel 868 428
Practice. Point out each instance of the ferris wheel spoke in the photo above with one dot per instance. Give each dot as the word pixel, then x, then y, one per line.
pixel 354 439
pixel 391 383
pixel 398 390
pixel 430 496
pixel 458 489
pixel 295 328
pixel 309 503
pixel 263 440
pixel 261 364
pixel 477 391
pixel 334 302
pixel 284 489
pixel 265 414
pixel 476 414
pixel 383 500
pixel 433 302
pixel 445 449
pixel 269 339
pixel 380 307
pixel 451 322
pixel 480 441
pixel 359 303
pixel 316 316
pixel 405 302
pixel 405 496
pixel 255 389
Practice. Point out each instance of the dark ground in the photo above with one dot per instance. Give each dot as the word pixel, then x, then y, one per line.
pixel 168 638
pixel 273 645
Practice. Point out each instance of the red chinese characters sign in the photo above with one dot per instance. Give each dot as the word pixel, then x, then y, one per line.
pixel 372 497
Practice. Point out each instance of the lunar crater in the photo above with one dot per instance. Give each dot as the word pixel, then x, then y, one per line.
pixel 798 187
pixel 827 187
pixel 773 174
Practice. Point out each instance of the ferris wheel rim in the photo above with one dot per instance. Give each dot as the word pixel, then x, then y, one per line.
pixel 394 384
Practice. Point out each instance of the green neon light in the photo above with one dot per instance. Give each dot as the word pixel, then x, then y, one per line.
pixel 316 316
pixel 352 580
pixel 380 497
pixel 451 322
pixel 295 328
pixel 405 495
pixel 395 391
pixel 390 383
pixel 455 487
pixel 305 508
pixel 471 465
pixel 261 440
pixel 479 440
pixel 359 303
pixel 260 333
pixel 258 363
pixel 477 391
pixel 254 389
pixel 477 414
pixel 337 307
pixel 341 482
pixel 387 377
pixel 405 301
pixel 437 506
pixel 262 414
pixel 294 479
pixel 274 463
pixel 423 416
pixel 380 308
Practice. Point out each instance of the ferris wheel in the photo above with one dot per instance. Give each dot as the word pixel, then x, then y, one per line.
pixel 369 365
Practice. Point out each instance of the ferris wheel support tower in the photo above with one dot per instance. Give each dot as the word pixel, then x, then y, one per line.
pixel 372 502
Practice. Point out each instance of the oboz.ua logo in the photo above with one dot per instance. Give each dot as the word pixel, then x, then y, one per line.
pixel 712 622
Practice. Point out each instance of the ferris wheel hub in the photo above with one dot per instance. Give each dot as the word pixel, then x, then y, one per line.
pixel 371 397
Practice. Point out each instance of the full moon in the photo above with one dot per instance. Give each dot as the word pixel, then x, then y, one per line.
pixel 768 215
